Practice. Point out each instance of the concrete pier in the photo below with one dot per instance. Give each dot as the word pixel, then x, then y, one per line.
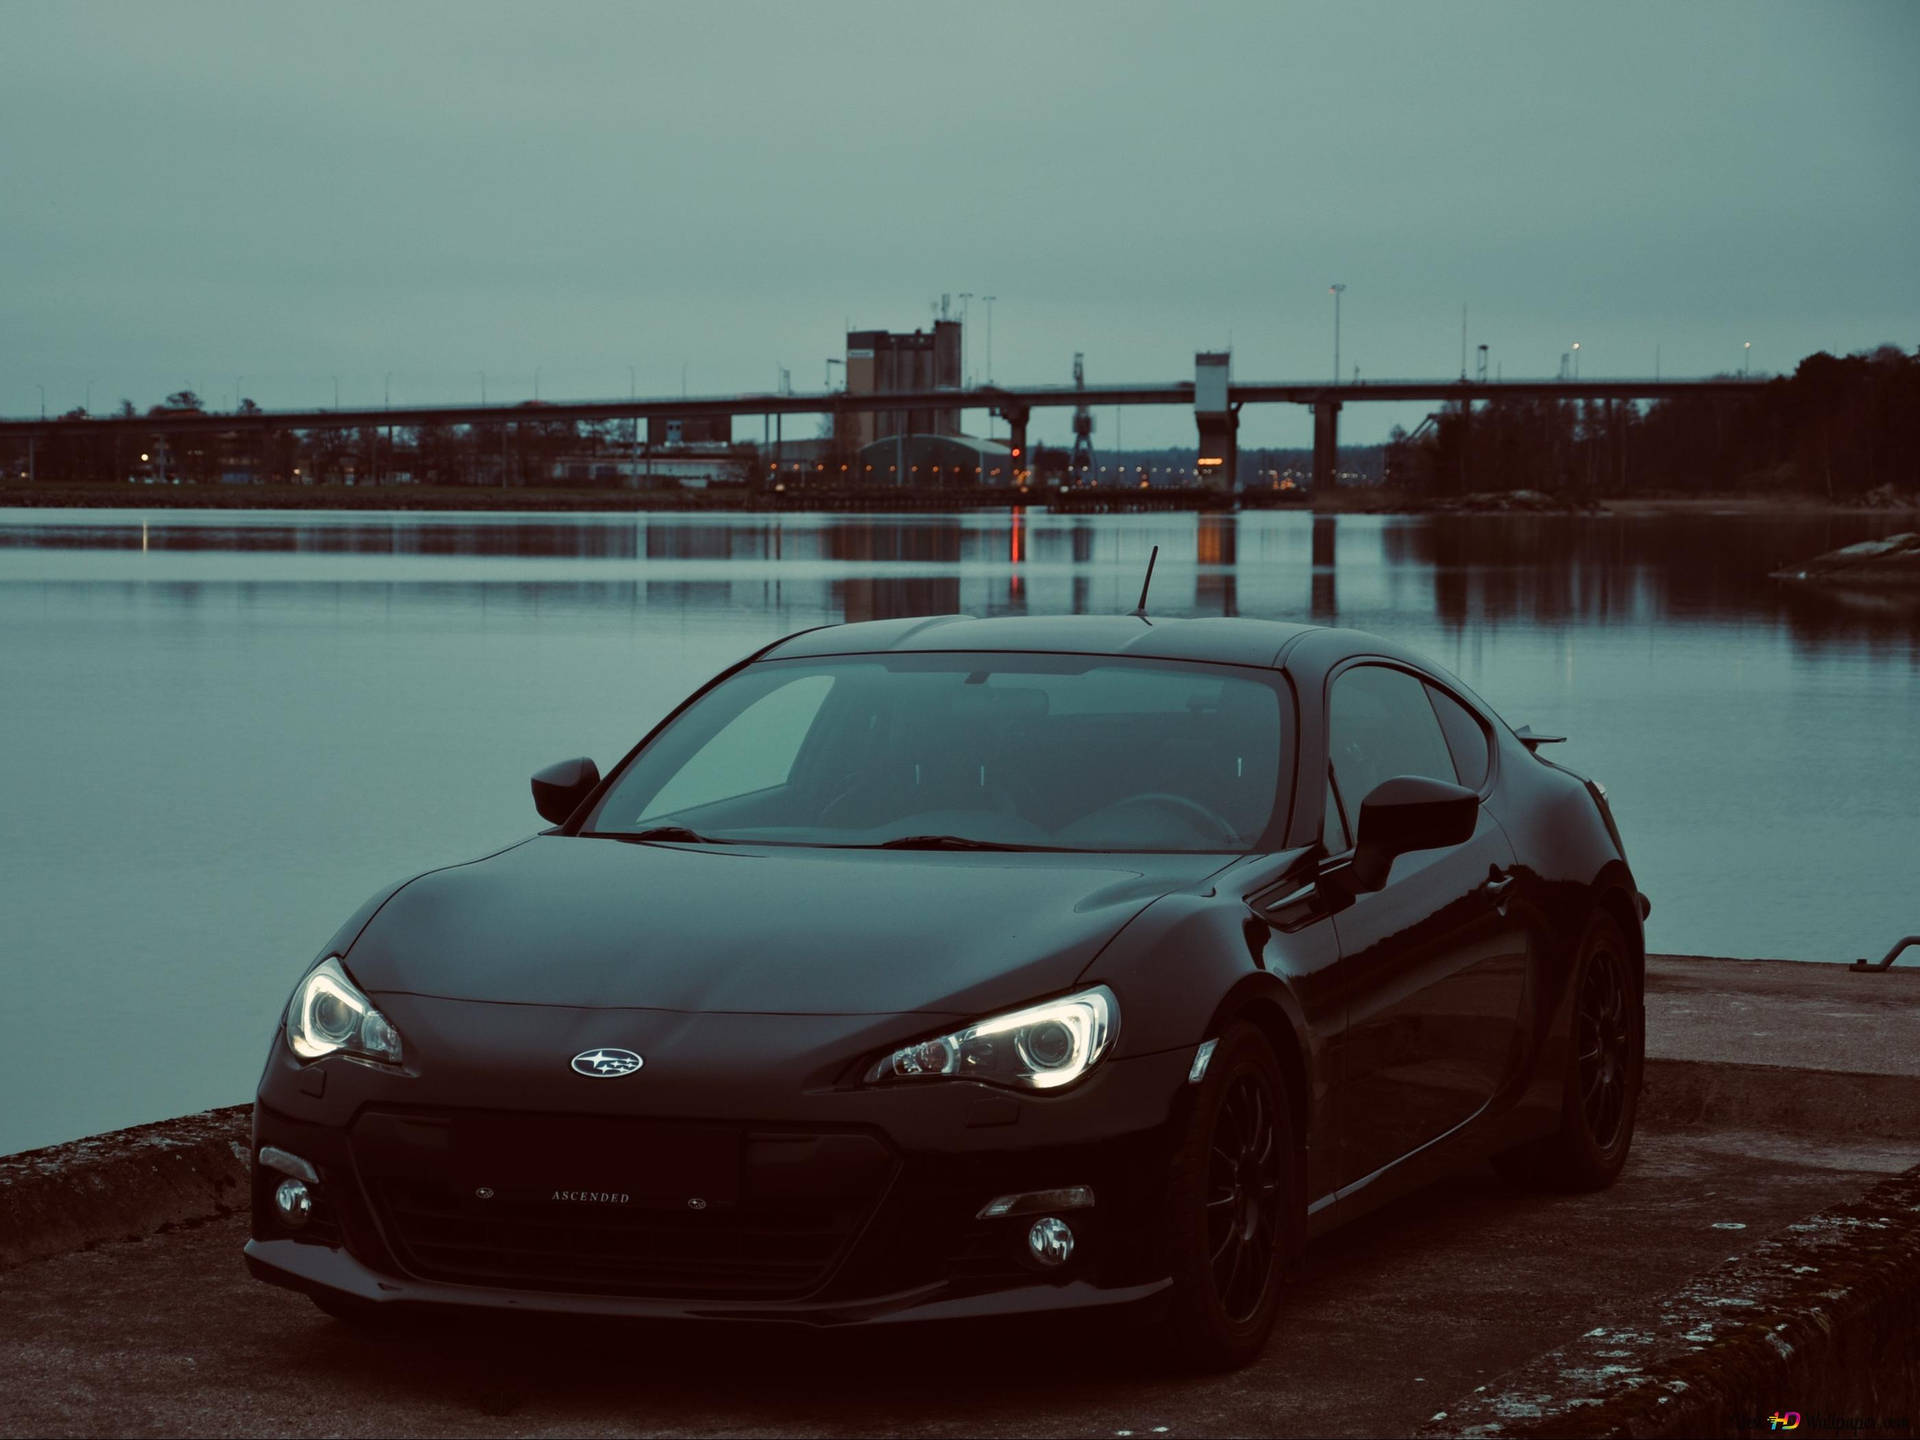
pixel 1779 1141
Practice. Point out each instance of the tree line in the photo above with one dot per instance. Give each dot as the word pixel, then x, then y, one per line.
pixel 525 449
pixel 1838 427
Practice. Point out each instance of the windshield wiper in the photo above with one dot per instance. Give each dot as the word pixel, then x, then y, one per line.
pixel 947 842
pixel 671 834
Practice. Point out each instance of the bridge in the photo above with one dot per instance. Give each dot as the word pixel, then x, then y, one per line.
pixel 1015 404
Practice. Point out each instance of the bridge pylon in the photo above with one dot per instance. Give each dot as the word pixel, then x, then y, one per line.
pixel 1217 419
pixel 1326 445
pixel 1016 414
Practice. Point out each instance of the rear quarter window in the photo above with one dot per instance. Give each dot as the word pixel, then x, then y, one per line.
pixel 1467 738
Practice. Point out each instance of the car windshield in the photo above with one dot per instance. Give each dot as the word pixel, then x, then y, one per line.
pixel 966 751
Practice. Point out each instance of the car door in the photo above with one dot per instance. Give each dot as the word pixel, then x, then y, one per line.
pixel 1434 968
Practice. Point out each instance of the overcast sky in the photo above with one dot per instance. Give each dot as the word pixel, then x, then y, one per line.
pixel 199 194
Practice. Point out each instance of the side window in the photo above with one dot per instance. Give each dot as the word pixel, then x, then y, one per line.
pixel 1466 738
pixel 1379 725
pixel 1333 830
pixel 753 751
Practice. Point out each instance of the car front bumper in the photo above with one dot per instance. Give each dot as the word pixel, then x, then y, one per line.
pixel 331 1271
pixel 854 1206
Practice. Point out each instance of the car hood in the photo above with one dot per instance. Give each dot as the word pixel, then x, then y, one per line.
pixel 576 921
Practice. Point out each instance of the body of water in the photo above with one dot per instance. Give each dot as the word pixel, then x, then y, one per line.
pixel 220 732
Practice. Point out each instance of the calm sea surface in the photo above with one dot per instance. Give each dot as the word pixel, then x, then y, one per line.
pixel 221 732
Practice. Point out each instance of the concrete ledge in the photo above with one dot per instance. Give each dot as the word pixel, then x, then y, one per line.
pixel 1714 1094
pixel 123 1185
pixel 1824 1319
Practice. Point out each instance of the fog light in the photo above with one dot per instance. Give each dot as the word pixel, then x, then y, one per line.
pixel 294 1203
pixel 1050 1241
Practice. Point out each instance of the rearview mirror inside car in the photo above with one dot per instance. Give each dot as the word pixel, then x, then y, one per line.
pixel 1408 813
pixel 559 789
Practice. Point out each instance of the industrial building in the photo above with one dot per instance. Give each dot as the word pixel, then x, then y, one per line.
pixel 936 462
pixel 885 362
pixel 664 430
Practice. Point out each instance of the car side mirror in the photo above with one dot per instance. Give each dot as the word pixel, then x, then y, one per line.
pixel 559 789
pixel 1408 813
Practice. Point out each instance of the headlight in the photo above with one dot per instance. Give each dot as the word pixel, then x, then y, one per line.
pixel 1042 1047
pixel 329 1014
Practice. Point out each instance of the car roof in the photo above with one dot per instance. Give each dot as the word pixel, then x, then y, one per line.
pixel 1227 640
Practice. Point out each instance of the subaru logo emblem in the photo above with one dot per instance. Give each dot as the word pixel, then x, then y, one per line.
pixel 607 1063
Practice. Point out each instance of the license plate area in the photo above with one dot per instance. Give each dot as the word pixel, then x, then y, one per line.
pixel 576 1162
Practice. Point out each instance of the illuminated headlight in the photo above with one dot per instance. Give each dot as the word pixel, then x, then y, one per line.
pixel 329 1015
pixel 1042 1047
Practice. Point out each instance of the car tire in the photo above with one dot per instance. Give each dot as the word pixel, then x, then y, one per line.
pixel 1604 1072
pixel 1233 1216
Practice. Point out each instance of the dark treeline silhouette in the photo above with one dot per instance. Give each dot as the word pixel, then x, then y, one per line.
pixel 524 450
pixel 1835 427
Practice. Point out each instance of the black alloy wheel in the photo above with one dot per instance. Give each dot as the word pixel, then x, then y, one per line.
pixel 1601 1093
pixel 1243 1196
pixel 1605 1046
pixel 1234 1212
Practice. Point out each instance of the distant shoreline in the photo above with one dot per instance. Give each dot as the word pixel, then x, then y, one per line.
pixel 1352 500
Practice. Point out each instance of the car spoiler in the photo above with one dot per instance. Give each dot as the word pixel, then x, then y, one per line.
pixel 1533 742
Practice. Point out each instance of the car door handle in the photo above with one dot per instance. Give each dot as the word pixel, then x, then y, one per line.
pixel 1496 885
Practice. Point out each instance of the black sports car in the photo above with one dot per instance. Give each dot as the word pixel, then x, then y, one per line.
pixel 958 967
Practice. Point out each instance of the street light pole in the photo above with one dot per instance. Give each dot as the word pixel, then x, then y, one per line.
pixel 1576 359
pixel 966 297
pixel 1746 360
pixel 988 300
pixel 43 400
pixel 633 431
pixel 1337 291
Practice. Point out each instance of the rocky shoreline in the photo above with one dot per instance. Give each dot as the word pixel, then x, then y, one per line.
pixel 1892 561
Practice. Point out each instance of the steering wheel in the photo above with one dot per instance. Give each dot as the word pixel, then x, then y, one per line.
pixel 1190 808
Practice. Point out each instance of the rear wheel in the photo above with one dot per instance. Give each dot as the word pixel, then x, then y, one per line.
pixel 1604 1072
pixel 1233 1215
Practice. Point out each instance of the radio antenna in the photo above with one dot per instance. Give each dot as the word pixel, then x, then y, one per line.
pixel 1141 608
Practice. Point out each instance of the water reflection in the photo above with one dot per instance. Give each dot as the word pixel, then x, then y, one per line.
pixel 1610 571
pixel 1323 604
pixel 1217 555
pixel 1478 570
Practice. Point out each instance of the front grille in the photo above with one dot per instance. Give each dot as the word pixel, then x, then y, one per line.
pixel 785 1206
pixel 619 1252
pixel 992 1252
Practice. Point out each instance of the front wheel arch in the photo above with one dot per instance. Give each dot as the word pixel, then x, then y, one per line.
pixel 1254 1001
